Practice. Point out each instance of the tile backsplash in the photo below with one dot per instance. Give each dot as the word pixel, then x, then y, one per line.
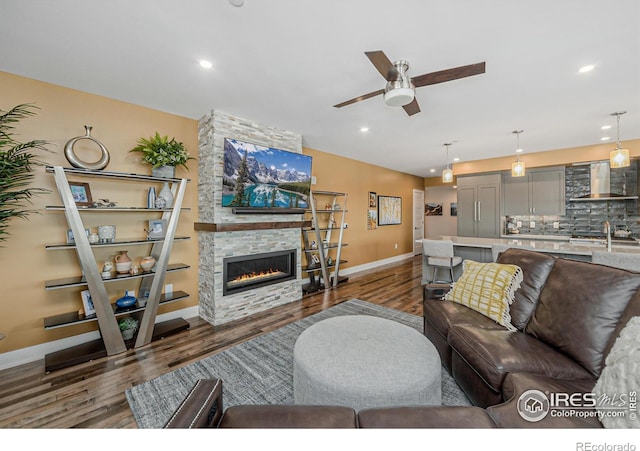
pixel 588 217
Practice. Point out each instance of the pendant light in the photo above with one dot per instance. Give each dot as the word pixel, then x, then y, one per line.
pixel 518 167
pixel 619 157
pixel 447 174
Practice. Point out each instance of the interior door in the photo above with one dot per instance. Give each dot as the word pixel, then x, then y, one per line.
pixel 418 220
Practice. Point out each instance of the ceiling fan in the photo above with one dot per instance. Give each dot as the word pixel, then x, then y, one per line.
pixel 400 89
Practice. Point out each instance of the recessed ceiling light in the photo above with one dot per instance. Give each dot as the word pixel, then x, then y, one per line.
pixel 432 170
pixel 237 3
pixel 518 150
pixel 605 138
pixel 605 127
pixel 206 64
pixel 364 129
pixel 588 68
pixel 456 159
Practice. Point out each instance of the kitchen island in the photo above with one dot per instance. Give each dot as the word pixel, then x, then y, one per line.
pixel 480 249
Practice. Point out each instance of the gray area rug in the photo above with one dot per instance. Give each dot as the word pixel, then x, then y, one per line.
pixel 259 371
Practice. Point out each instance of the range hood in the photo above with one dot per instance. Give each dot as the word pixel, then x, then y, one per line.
pixel 600 173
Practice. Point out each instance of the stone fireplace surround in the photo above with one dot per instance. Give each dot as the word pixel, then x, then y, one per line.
pixel 223 234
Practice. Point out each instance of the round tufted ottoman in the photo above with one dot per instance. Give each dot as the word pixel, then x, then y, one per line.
pixel 362 362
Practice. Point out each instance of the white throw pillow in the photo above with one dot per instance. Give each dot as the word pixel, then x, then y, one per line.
pixel 621 377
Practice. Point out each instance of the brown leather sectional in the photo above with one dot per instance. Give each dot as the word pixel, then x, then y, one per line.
pixel 567 314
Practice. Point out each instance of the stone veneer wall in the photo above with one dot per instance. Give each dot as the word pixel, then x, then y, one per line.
pixel 214 246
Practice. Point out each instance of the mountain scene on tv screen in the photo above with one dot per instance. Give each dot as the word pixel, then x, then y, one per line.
pixel 264 177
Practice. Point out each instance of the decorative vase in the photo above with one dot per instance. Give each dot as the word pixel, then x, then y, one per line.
pixel 166 194
pixel 164 171
pixel 127 334
pixel 147 263
pixel 151 198
pixel 123 262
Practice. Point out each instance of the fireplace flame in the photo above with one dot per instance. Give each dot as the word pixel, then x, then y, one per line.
pixel 255 276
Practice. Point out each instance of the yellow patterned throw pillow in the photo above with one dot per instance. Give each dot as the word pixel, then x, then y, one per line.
pixel 487 288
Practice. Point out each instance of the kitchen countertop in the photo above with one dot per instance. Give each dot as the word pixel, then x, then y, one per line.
pixel 548 246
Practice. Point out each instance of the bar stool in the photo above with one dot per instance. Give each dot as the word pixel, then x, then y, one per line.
pixel 439 254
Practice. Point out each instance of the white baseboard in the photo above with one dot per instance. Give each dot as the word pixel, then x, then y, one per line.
pixel 34 353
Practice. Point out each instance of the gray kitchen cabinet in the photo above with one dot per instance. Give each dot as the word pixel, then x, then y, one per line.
pixel 539 192
pixel 479 206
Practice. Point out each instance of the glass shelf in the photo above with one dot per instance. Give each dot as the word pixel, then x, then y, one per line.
pixel 52 247
pixel 327 246
pixel 81 281
pixel 118 175
pixel 317 267
pixel 72 318
pixel 103 209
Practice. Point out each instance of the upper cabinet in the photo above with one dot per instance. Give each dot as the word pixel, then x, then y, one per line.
pixel 539 192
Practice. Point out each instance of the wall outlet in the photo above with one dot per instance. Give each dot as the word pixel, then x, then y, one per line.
pixel 532 224
pixel 313 180
pixel 518 224
pixel 168 289
pixel 131 293
pixel 556 225
pixel 395 246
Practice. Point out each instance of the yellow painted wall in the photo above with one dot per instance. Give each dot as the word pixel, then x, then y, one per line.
pixel 25 262
pixel 357 179
pixel 26 265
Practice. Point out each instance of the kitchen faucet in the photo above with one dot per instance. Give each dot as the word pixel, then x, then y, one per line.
pixel 607 230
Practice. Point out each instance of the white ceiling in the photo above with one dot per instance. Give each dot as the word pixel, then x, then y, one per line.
pixel 286 62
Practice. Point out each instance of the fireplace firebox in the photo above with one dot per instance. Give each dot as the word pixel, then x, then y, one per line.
pixel 247 272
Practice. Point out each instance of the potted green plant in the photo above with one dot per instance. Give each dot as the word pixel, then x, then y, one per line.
pixel 16 168
pixel 128 327
pixel 162 152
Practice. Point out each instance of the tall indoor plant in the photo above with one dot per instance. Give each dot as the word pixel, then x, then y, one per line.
pixel 160 151
pixel 16 168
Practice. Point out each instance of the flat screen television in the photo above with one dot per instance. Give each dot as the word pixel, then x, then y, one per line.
pixel 263 179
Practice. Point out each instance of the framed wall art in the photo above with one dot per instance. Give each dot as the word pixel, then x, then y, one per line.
pixel 372 219
pixel 433 209
pixel 372 199
pixel 81 194
pixel 389 210
pixel 454 208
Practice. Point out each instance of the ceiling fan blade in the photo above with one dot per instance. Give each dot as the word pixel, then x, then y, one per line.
pixel 359 98
pixel 383 64
pixel 412 108
pixel 448 74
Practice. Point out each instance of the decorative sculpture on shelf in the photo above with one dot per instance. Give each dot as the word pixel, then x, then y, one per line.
pixel 77 162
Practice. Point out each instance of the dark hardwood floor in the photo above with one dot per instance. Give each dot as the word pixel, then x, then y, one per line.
pixel 91 395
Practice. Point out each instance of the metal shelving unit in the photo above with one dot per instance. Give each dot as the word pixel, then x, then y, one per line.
pixel 106 315
pixel 327 222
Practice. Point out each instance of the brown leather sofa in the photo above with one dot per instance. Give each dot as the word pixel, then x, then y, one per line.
pixel 567 314
pixel 203 408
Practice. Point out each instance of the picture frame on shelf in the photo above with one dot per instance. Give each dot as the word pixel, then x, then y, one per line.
pixel 157 229
pixel 81 193
pixel 87 303
pixel 71 239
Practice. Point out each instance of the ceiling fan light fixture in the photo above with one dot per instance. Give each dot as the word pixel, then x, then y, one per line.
pixel 399 96
pixel 619 157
